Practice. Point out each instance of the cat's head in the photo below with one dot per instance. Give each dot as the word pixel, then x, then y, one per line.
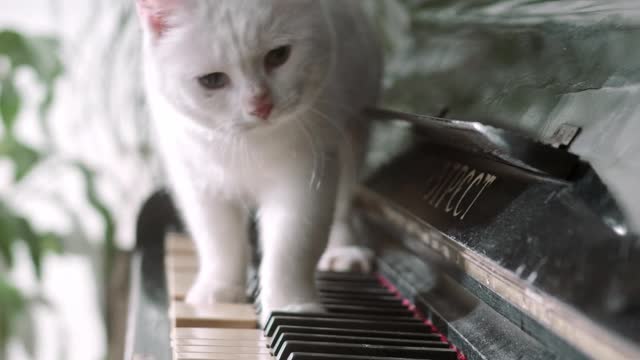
pixel 237 65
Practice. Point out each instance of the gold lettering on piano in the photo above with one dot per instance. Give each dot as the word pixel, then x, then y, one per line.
pixel 457 188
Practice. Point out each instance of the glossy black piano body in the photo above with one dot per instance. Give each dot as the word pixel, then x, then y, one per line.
pixel 514 249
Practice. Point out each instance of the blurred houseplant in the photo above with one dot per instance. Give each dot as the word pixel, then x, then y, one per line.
pixel 18 52
pixel 39 56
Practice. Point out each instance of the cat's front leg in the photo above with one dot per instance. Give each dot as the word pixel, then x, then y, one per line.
pixel 219 229
pixel 344 253
pixel 294 228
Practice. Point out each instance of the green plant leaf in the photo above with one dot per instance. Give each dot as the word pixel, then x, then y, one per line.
pixel 13 45
pixel 36 52
pixel 28 235
pixel 48 66
pixel 24 158
pixel 10 102
pixel 51 242
pixel 39 53
pixel 7 235
pixel 12 307
pixel 97 203
pixel 14 227
pixel 43 110
pixel 44 59
pixel 38 244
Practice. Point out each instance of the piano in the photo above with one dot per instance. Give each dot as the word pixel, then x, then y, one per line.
pixel 489 245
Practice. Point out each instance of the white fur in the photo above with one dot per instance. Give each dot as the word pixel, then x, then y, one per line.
pixel 297 170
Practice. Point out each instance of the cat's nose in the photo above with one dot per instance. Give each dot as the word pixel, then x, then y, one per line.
pixel 261 106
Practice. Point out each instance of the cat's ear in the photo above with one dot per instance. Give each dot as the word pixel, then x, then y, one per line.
pixel 155 13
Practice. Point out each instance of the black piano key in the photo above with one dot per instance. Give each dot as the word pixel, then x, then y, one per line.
pixel 338 339
pixel 365 350
pixel 418 336
pixel 276 321
pixel 368 310
pixel 348 277
pixel 395 304
pixel 312 356
pixel 355 290
pixel 364 320
pixel 364 297
pixel 353 282
pixel 345 276
pixel 360 283
pixel 345 316
pixel 276 317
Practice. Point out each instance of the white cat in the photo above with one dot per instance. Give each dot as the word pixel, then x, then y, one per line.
pixel 256 105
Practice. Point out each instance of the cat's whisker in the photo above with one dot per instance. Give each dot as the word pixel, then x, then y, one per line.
pixel 245 154
pixel 236 158
pixel 288 101
pixel 349 110
pixel 315 156
pixel 226 148
pixel 232 148
pixel 351 151
pixel 340 129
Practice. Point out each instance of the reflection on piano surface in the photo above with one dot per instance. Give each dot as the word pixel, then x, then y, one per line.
pixel 511 248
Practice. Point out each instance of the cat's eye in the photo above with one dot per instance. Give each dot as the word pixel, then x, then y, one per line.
pixel 277 57
pixel 213 81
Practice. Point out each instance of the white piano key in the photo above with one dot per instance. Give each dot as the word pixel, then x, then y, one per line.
pixel 179 244
pixel 249 350
pixel 212 316
pixel 219 342
pixel 218 334
pixel 181 262
pixel 205 356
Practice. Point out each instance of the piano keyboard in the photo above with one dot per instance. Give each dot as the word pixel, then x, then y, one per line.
pixel 365 319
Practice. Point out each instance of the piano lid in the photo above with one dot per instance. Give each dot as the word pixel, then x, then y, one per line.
pixel 506 146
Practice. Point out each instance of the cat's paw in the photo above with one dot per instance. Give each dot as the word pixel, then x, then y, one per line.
pixel 210 292
pixel 347 258
pixel 311 307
